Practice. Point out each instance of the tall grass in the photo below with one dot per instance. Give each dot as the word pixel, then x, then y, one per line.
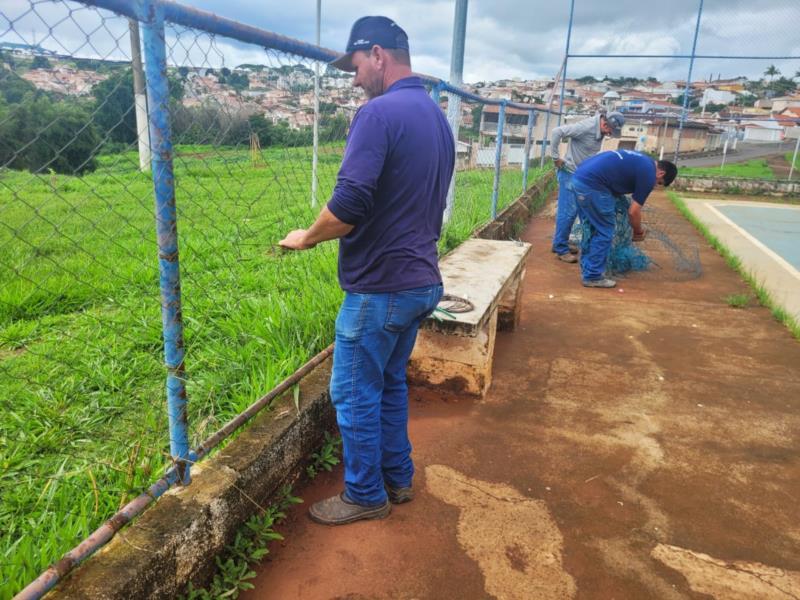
pixel 83 425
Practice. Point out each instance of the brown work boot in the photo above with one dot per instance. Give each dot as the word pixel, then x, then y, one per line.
pixel 400 495
pixel 567 257
pixel 339 510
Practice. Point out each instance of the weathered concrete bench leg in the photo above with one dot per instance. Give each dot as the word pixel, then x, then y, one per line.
pixel 510 306
pixel 456 363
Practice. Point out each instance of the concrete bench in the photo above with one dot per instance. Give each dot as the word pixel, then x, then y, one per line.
pixel 456 353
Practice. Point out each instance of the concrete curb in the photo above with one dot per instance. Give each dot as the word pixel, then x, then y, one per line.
pixel 738 186
pixel 176 540
pixel 509 221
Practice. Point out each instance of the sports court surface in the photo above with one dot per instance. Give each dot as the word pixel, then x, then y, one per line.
pixel 765 236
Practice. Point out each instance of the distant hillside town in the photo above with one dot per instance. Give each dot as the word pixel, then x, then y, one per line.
pixel 761 110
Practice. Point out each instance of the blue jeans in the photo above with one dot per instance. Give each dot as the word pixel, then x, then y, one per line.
pixel 596 209
pixel 375 334
pixel 565 213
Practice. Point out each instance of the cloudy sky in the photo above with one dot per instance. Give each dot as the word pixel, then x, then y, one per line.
pixel 505 38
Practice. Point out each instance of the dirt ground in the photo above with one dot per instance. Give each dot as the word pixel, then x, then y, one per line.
pixel 640 442
pixel 780 166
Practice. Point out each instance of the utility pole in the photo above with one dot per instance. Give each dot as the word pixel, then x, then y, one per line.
pixel 454 101
pixel 140 97
pixel 794 157
pixel 315 153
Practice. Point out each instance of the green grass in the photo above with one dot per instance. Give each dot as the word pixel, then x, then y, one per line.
pixel 788 156
pixel 83 426
pixel 738 300
pixel 752 169
pixel 735 263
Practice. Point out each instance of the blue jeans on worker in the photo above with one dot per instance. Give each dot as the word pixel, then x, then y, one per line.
pixel 565 212
pixel 596 209
pixel 375 334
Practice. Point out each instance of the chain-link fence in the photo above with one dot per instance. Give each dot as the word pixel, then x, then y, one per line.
pixel 727 75
pixel 90 300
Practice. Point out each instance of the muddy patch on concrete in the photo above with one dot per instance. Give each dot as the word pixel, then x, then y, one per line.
pixel 513 538
pixel 735 580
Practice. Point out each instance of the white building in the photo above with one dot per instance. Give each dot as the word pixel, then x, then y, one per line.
pixel 763 131
pixel 714 96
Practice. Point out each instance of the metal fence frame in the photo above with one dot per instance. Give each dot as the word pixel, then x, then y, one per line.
pixel 690 57
pixel 152 16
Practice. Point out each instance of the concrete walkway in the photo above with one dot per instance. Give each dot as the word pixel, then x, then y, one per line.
pixel 636 443
pixel 765 236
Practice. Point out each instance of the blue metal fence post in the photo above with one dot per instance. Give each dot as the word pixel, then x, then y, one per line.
pixel 167 233
pixel 498 156
pixel 566 58
pixel 436 92
pixel 688 81
pixel 526 159
pixel 543 150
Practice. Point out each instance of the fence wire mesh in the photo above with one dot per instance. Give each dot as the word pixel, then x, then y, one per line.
pixel 712 53
pixel 475 124
pixel 84 426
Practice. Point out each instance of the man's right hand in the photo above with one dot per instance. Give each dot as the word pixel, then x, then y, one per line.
pixel 559 163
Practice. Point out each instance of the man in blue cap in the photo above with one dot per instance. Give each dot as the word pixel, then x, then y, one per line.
pixel 585 139
pixel 386 209
pixel 596 185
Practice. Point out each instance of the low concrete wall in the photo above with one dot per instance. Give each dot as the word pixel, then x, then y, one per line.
pixel 176 540
pixel 513 217
pixel 730 185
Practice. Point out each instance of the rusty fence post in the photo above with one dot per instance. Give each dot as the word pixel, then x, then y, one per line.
pixel 167 232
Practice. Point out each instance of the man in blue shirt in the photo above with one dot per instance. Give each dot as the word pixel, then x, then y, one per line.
pixel 387 210
pixel 585 139
pixel 597 182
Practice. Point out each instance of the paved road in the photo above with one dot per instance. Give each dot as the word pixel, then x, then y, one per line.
pixel 766 237
pixel 744 152
pixel 776 227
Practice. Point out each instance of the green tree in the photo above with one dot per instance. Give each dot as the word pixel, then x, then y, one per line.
pixel 265 130
pixel 333 128
pixel 781 86
pixel 114 105
pixel 771 71
pixel 40 62
pixel 13 87
pixel 39 134
pixel 6 58
pixel 327 108
pixel 239 81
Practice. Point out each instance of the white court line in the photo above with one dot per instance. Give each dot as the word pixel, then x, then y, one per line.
pixel 759 244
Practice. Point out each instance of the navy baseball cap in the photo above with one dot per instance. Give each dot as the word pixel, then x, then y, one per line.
pixel 368 32
pixel 616 120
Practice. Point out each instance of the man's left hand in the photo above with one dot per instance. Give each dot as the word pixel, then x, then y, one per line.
pixel 296 240
pixel 638 236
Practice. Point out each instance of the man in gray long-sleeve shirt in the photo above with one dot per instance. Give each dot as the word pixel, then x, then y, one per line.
pixel 585 139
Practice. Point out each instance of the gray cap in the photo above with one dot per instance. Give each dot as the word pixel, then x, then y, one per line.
pixel 616 120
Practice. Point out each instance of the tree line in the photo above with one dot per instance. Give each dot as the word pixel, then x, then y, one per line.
pixel 42 131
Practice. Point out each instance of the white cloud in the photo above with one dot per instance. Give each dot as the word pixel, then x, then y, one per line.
pixel 505 38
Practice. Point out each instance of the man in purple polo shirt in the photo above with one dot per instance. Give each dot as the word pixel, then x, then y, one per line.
pixel 387 210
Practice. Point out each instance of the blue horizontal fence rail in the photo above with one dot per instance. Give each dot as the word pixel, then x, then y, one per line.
pixel 153 15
